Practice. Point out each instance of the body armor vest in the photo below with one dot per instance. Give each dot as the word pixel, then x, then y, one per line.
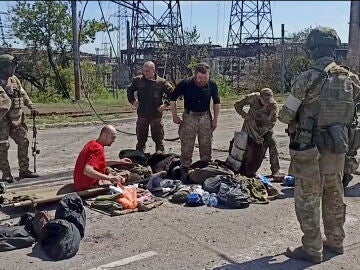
pixel 13 90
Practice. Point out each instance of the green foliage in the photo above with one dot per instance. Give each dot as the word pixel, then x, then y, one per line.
pixel 191 36
pixel 93 79
pixel 46 28
pixel 224 86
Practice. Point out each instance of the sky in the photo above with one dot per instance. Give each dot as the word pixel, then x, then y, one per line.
pixel 212 17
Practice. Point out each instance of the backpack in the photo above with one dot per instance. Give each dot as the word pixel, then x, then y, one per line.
pixel 135 155
pixel 199 175
pixel 230 191
pixel 71 208
pixel 60 239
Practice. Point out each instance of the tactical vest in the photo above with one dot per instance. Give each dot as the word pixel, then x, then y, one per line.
pixel 336 97
pixel 13 90
pixel 329 98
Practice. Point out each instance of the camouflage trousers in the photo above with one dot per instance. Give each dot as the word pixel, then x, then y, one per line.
pixel 157 133
pixel 319 184
pixel 19 135
pixel 195 124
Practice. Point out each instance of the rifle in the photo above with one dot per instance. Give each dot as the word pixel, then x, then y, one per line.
pixel 34 149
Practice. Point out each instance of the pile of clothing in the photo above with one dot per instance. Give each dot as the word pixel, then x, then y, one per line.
pixel 59 238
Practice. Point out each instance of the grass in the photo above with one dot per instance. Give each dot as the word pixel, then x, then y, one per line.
pixel 106 104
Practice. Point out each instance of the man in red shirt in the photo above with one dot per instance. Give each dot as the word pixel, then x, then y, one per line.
pixel 91 166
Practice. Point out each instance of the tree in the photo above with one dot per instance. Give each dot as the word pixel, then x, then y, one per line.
pixel 191 36
pixel 297 58
pixel 46 26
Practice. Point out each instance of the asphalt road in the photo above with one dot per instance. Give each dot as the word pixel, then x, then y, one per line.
pixel 177 237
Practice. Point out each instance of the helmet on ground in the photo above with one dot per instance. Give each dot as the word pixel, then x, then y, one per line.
pixel 322 36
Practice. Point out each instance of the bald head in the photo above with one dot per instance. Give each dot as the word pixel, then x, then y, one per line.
pixel 149 70
pixel 108 129
pixel 107 135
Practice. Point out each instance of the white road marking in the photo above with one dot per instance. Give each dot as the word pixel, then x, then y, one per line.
pixel 126 261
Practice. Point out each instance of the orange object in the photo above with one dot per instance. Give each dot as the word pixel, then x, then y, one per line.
pixel 128 200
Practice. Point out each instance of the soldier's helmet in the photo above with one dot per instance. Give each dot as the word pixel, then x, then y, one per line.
pixel 7 60
pixel 322 36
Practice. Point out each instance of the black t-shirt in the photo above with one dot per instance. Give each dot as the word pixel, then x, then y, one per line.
pixel 196 99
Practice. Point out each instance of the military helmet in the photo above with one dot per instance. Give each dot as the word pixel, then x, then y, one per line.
pixel 7 59
pixel 322 36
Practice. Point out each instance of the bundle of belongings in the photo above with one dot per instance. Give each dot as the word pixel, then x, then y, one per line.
pixel 124 200
pixel 157 176
pixel 59 238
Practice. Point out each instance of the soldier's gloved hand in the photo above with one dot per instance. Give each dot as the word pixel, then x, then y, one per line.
pixel 177 120
pixel 34 112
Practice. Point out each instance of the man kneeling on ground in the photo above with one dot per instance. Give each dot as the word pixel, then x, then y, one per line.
pixel 91 167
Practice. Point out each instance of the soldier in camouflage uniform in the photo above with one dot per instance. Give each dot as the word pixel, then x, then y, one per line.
pixel 319 110
pixel 151 89
pixel 258 124
pixel 12 100
pixel 197 119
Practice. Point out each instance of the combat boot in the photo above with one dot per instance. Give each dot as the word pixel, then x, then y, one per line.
pixel 333 249
pixel 27 174
pixel 300 254
pixel 184 175
pixel 346 179
pixel 7 177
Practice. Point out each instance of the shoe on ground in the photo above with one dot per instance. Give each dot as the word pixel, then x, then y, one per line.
pixel 346 179
pixel 27 174
pixel 300 254
pixel 9 179
pixel 333 249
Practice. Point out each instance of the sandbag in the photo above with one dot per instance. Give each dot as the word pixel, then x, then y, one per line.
pixel 71 208
pixel 14 237
pixel 60 239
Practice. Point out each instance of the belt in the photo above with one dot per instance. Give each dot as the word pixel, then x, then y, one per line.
pixel 197 113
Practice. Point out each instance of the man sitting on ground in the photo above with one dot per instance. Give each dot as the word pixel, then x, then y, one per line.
pixel 91 166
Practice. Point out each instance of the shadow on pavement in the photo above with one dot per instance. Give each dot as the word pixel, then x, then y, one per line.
pixel 288 192
pixel 272 263
pixel 37 252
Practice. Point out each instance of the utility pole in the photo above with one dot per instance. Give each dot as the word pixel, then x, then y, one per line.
pixel 282 58
pixel 353 55
pixel 76 53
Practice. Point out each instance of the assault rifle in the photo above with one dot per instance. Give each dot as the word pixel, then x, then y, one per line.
pixel 34 149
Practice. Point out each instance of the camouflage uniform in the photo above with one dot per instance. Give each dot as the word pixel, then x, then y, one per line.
pixel 318 171
pixel 195 123
pixel 150 96
pixel 12 123
pixel 261 138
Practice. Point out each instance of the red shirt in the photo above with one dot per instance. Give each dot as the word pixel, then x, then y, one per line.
pixel 92 154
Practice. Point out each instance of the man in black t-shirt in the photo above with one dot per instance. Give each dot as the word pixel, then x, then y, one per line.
pixel 196 119
pixel 151 91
